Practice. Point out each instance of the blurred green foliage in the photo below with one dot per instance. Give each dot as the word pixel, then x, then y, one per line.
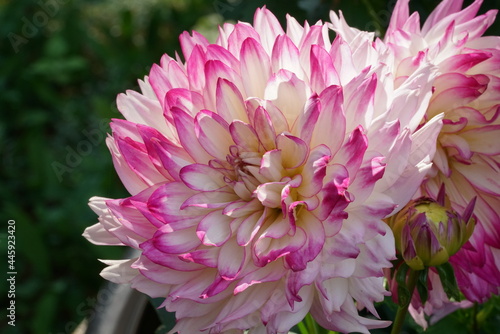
pixel 62 63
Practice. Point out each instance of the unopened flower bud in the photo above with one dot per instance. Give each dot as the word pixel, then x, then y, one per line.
pixel 427 233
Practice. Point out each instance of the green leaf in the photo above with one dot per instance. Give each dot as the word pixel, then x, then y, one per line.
pixel 450 324
pixel 401 274
pixel 309 326
pixel 161 330
pixel 487 316
pixel 448 280
pixel 404 296
pixel 301 326
pixel 422 288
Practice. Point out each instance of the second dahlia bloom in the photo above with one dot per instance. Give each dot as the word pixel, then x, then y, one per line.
pixel 467 93
pixel 260 170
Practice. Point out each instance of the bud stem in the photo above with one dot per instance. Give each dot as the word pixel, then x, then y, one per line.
pixel 402 310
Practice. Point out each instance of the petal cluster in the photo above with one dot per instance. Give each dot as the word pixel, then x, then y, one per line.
pixel 467 93
pixel 260 168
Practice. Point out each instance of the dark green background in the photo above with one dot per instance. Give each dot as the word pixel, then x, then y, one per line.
pixel 61 68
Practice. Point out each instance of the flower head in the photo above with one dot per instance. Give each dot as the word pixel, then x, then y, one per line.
pixel 260 170
pixel 467 93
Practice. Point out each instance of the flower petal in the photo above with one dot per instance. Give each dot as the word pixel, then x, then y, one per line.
pixel 214 230
pixel 255 68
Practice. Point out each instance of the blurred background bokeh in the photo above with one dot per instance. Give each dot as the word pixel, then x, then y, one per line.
pixel 62 63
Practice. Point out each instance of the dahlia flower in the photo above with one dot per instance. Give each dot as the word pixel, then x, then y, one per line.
pixel 467 92
pixel 260 169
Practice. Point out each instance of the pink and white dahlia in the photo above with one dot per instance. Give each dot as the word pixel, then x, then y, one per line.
pixel 467 92
pixel 260 170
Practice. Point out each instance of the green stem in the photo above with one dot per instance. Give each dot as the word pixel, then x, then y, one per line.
pixel 475 326
pixel 402 310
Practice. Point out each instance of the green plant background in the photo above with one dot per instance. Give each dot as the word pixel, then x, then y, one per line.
pixel 61 67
